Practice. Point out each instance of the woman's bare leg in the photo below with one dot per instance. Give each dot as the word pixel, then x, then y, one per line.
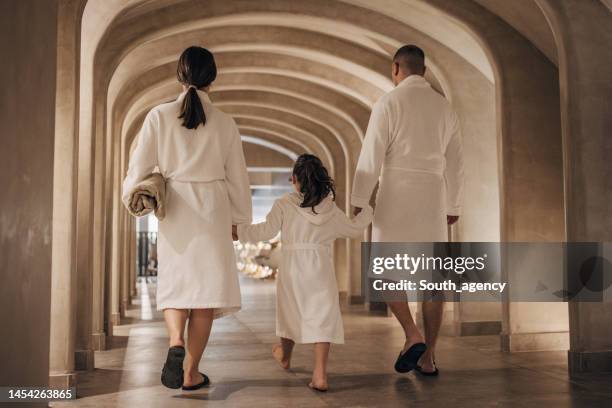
pixel 319 374
pixel 175 324
pixel 282 352
pixel 198 331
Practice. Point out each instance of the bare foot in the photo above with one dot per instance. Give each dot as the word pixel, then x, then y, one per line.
pixel 318 383
pixel 277 353
pixel 427 363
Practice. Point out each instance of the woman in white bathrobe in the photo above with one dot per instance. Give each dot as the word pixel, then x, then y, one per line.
pixel 307 305
pixel 198 150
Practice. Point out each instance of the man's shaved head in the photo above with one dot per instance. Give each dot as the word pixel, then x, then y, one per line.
pixel 411 59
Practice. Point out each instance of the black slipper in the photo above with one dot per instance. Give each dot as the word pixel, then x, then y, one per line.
pixel 433 373
pixel 194 387
pixel 172 373
pixel 408 360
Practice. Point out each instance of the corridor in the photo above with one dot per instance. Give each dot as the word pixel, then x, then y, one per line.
pixel 529 82
pixel 473 370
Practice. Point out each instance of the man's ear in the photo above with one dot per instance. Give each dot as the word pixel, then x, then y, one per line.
pixel 396 68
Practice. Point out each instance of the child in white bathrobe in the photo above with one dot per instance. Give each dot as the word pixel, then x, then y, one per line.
pixel 307 306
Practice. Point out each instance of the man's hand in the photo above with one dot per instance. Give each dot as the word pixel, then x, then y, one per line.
pixel 356 211
pixel 451 219
pixel 234 233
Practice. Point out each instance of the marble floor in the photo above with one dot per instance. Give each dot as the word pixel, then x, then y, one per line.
pixel 473 372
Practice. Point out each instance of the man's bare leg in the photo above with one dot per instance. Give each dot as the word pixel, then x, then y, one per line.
pixel 432 320
pixel 401 311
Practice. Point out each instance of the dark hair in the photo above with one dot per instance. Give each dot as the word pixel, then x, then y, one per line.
pixel 411 58
pixel 315 183
pixel 196 69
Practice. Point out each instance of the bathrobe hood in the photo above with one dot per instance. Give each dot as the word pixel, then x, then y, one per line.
pixel 324 210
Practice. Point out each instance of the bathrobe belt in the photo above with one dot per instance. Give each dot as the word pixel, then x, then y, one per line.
pixel 387 169
pixel 173 180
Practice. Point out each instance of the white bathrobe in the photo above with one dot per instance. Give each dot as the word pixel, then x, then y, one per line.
pixel 413 144
pixel 307 304
pixel 207 190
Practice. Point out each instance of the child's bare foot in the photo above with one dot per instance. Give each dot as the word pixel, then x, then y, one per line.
pixel 318 383
pixel 277 353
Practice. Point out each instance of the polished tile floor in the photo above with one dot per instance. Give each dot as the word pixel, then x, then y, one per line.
pixel 473 372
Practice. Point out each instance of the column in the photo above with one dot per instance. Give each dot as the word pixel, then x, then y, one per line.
pixel 132 258
pixel 115 289
pixel 125 272
pixel 63 267
pixel 28 45
pixel 84 240
pixel 531 192
pixel 583 38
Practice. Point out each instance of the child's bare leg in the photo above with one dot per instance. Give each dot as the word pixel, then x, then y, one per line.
pixel 319 374
pixel 282 352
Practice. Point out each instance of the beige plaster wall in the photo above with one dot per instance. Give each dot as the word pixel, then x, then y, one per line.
pixel 28 40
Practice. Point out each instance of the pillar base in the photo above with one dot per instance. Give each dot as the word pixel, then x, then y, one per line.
pixel 378 308
pixel 98 341
pixel 534 341
pixel 62 380
pixel 482 328
pixel 84 360
pixel 579 362
pixel 356 300
pixel 124 307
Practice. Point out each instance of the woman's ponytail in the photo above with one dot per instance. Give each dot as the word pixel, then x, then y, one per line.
pixel 192 111
pixel 196 69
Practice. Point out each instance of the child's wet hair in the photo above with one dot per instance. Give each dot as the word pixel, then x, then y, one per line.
pixel 315 183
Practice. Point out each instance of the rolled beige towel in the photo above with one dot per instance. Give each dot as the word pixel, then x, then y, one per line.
pixel 148 195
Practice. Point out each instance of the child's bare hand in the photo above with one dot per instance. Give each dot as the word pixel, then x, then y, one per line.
pixel 234 232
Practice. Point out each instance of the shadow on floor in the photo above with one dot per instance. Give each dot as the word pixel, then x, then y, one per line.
pixel 222 391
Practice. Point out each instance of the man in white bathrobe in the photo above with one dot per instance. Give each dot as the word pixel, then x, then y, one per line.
pixel 413 149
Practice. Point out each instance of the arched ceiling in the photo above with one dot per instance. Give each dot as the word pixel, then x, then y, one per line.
pixel 434 23
pixel 527 18
pixel 261 156
pixel 286 75
pixel 301 75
